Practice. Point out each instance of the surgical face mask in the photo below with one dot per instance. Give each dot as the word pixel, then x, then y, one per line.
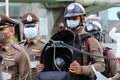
pixel 3 37
pixel 30 32
pixel 72 24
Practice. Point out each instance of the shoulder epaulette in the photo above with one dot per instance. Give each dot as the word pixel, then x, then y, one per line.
pixel 85 35
pixel 16 46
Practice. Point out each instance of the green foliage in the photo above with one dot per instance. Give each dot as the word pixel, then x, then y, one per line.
pixel 15 39
pixel 104 30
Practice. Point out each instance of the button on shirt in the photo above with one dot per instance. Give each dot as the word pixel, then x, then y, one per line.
pixel 15 63
pixel 34 49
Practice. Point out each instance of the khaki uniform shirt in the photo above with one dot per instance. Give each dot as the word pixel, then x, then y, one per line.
pixel 116 77
pixel 15 64
pixel 114 65
pixel 116 70
pixel 98 63
pixel 34 49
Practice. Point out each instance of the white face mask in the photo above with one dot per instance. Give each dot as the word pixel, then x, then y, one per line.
pixel 72 24
pixel 30 32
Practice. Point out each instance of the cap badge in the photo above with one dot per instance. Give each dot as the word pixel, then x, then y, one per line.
pixel 29 18
pixel 70 7
pixel 89 27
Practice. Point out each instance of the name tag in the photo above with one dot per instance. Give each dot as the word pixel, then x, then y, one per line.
pixel 6 76
pixel 34 64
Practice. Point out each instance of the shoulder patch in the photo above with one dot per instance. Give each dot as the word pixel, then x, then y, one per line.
pixel 100 50
pixel 85 35
pixel 18 47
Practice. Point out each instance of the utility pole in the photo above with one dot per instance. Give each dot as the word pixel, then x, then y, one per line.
pixel 7 7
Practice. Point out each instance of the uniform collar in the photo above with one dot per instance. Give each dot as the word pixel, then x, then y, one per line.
pixel 34 41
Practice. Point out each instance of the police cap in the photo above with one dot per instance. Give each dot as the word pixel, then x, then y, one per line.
pixel 6 21
pixel 29 18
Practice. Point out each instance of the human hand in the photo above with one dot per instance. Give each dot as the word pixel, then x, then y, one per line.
pixel 75 68
pixel 117 25
pixel 39 67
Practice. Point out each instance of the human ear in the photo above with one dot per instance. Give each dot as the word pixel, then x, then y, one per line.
pixel 12 30
pixel 83 18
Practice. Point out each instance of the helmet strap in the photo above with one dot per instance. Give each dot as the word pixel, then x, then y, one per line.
pixel 81 21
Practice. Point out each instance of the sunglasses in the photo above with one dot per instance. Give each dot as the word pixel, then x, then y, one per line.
pixel 30 25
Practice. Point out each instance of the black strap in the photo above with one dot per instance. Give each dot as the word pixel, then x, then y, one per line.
pixel 80 42
pixel 84 52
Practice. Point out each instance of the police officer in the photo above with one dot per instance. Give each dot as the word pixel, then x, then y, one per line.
pixel 15 64
pixel 81 66
pixel 112 66
pixel 75 18
pixel 33 44
pixel 60 27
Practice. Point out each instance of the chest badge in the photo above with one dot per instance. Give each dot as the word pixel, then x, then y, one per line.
pixel 10 55
pixel 36 49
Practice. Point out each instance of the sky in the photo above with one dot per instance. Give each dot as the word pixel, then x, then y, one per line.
pixel 112 13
